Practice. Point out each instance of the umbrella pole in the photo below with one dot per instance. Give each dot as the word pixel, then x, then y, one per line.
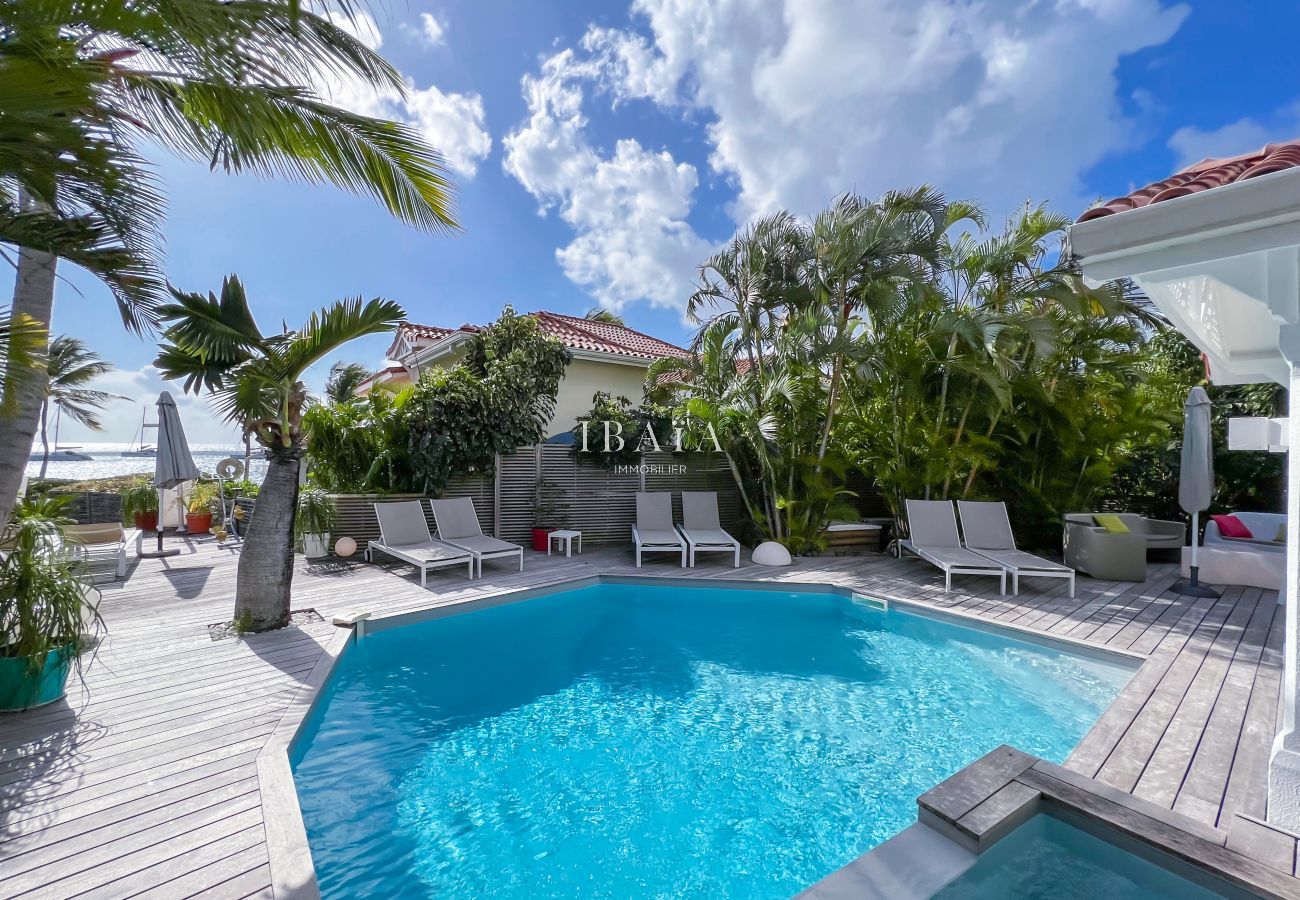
pixel 160 553
pixel 1192 587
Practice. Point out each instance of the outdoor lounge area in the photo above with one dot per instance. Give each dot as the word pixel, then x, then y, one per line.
pixel 154 772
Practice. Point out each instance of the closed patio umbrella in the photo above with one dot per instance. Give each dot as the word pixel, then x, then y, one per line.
pixel 1196 479
pixel 174 464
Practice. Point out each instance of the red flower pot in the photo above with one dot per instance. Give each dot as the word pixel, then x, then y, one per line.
pixel 147 521
pixel 198 523
pixel 540 538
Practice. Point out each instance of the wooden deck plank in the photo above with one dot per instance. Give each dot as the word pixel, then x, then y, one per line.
pixel 142 782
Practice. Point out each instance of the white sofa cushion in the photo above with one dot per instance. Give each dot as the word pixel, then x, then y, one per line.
pixel 1263 526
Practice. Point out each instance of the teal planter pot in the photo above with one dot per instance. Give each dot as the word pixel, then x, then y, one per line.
pixel 21 688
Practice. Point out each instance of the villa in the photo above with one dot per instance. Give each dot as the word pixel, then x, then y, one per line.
pixel 607 357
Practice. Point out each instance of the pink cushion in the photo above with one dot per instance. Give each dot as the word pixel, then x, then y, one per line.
pixel 1231 527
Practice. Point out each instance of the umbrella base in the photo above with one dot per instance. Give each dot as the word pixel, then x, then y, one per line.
pixel 160 553
pixel 1192 587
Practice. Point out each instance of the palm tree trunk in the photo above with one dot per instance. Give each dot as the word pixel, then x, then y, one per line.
pixel 262 591
pixel 45 438
pixel 34 297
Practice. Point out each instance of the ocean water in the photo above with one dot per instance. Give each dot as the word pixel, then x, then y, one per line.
pixel 656 741
pixel 107 461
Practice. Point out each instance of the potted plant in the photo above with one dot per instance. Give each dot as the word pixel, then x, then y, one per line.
pixel 548 512
pixel 44 607
pixel 198 515
pixel 314 520
pixel 140 502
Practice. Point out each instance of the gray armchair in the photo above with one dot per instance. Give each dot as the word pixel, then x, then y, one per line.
pixel 1118 557
pixel 1103 555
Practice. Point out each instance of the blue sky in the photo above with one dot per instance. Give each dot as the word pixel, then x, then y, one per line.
pixel 602 150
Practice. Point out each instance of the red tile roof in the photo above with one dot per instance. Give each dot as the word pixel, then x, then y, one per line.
pixel 1204 175
pixel 574 332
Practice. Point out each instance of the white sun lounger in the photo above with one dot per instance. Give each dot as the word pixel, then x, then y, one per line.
pixel 404 535
pixel 654 529
pixel 933 529
pixel 458 525
pixel 986 530
pixel 702 527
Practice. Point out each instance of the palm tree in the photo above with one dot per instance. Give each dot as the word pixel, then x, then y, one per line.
pixel 71 366
pixel 343 381
pixel 214 344
pixel 223 82
pixel 601 314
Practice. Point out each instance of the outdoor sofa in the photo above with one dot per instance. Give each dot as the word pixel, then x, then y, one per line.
pixel 1108 556
pixel 1255 561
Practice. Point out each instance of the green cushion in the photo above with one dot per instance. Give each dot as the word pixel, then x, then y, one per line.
pixel 1112 523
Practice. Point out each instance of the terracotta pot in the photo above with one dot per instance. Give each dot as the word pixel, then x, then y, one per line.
pixel 147 521
pixel 198 523
pixel 540 537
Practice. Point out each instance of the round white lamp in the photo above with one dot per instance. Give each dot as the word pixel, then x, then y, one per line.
pixel 345 547
pixel 770 553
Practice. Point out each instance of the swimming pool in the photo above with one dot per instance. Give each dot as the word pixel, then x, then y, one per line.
pixel 636 739
pixel 1048 859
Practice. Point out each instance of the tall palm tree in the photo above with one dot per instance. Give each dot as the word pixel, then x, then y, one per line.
pixel 343 381
pixel 224 82
pixel 214 344
pixel 71 366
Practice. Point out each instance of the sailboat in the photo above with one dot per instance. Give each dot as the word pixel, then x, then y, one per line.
pixel 61 452
pixel 138 446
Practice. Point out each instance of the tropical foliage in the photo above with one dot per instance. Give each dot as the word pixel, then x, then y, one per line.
pixel 72 367
pixel 1146 479
pixel 499 397
pixel 613 432
pixel 343 381
pixel 213 344
pixel 86 87
pixel 902 338
pixel 45 595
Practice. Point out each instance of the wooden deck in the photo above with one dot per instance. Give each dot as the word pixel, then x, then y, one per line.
pixel 144 783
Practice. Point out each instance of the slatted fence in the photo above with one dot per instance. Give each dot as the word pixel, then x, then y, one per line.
pixel 598 502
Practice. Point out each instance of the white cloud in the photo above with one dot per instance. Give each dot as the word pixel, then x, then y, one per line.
pixel 454 124
pixel 121 418
pixel 1192 144
pixel 628 209
pixel 999 101
pixel 432 30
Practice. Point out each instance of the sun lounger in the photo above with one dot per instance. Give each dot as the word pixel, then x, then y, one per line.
pixel 702 527
pixel 986 530
pixel 404 535
pixel 458 525
pixel 932 526
pixel 654 531
pixel 92 543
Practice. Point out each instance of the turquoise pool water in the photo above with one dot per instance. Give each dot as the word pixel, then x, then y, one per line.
pixel 1047 859
pixel 625 740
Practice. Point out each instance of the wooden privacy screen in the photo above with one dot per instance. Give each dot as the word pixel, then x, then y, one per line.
pixel 599 503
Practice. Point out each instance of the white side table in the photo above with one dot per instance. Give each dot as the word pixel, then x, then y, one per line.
pixel 566 537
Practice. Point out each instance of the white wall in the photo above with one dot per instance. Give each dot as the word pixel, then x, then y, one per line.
pixel 582 379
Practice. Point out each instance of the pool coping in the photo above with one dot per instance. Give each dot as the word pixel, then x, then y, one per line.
pixel 966 814
pixel 293 874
